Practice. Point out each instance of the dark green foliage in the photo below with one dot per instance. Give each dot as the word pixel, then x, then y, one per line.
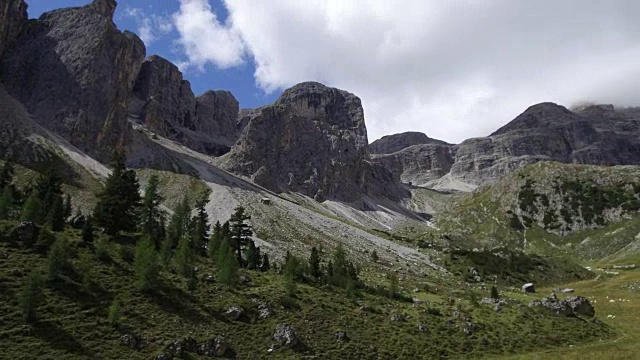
pixel 151 216
pixel 314 264
pixel 265 265
pixel 87 231
pixel 494 292
pixel 115 313
pixel 252 256
pixel 240 232
pixel 515 223
pixel 393 285
pixel 32 209
pixel 55 217
pixel 374 256
pixel 293 267
pixel 179 223
pixel 227 265
pixel 45 239
pixel 200 227
pixel 57 259
pixel 6 203
pixel 6 174
pixel 145 264
pixel 48 188
pixel 118 202
pixel 215 240
pixel 184 258
pixel 342 270
pixel 166 251
pixel 30 296
pixel 101 249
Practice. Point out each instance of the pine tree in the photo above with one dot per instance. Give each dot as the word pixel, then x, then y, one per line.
pixel 252 255
pixel 87 231
pixel 145 263
pixel 374 256
pixel 393 285
pixel 114 313
pixel 32 209
pixel 215 240
pixel 179 223
pixel 118 202
pixel 227 265
pixel 6 174
pixel 67 207
pixel 49 190
pixel 494 292
pixel 200 227
pixel 6 203
pixel 240 232
pixel 314 264
pixel 55 217
pixel 265 266
pixel 184 258
pixel 57 259
pixel 151 215
pixel 30 296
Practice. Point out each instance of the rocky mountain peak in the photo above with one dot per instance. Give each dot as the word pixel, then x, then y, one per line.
pixel 13 15
pixel 392 143
pixel 540 115
pixel 105 7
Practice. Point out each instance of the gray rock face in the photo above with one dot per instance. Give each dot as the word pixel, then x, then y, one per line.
pixel 74 70
pixel 581 306
pixel 313 140
pixel 571 306
pixel 392 143
pixel 163 100
pixel 286 335
pixel 13 15
pixel 596 135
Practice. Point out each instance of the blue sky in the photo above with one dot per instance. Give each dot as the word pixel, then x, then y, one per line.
pixel 238 79
pixel 451 69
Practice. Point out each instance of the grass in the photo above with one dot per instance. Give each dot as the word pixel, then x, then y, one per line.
pixel 73 318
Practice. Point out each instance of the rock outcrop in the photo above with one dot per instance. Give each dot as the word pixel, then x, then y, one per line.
pixel 13 16
pixel 596 135
pixel 313 140
pixel 74 70
pixel 392 143
pixel 163 101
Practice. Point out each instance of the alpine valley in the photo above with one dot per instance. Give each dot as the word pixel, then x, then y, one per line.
pixel 139 220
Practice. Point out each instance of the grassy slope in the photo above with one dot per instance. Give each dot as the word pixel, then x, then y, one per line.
pixel 73 316
pixel 482 216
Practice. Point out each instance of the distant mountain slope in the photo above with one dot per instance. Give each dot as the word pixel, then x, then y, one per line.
pixel 595 134
pixel 548 206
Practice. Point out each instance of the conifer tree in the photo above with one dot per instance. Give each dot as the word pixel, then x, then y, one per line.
pixel 87 231
pixel 6 174
pixel 179 223
pixel 227 265
pixel 314 264
pixel 252 255
pixel 57 259
pixel 494 292
pixel 184 258
pixel 265 266
pixel 32 209
pixel 30 296
pixel 6 203
pixel 151 215
pixel 49 190
pixel 145 263
pixel 55 217
pixel 393 285
pixel 240 232
pixel 200 227
pixel 118 202
pixel 215 240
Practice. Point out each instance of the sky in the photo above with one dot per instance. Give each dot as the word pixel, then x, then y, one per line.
pixel 451 69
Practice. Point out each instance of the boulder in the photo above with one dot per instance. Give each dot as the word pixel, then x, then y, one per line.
pixel 397 318
pixel 234 313
pixel 219 346
pixel 130 340
pixel 342 336
pixel 581 306
pixel 423 328
pixel 528 288
pixel 26 233
pixel 286 334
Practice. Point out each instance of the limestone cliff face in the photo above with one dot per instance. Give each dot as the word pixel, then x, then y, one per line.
pixel 392 143
pixel 163 101
pixel 74 71
pixel 313 140
pixel 596 135
pixel 13 16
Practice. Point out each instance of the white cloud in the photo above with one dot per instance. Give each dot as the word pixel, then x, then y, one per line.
pixel 204 39
pixel 452 69
pixel 149 27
